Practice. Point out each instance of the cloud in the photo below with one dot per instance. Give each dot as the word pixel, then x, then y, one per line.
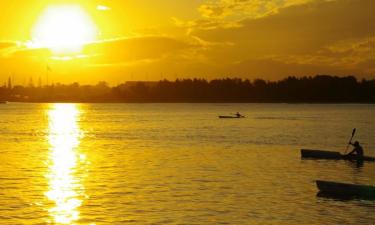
pixel 100 58
pixel 34 53
pixel 134 49
pixel 7 44
pixel 301 28
pixel 103 8
pixel 245 8
pixel 247 38
pixel 267 39
pixel 324 36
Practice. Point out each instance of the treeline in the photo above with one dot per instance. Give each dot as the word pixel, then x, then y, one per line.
pixel 321 88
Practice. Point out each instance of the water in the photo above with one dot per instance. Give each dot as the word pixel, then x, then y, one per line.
pixel 105 164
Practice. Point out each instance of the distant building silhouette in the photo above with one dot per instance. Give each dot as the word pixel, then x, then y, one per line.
pixel 10 83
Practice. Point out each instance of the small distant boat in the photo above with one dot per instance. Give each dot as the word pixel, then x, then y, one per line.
pixel 231 117
pixel 335 189
pixel 320 154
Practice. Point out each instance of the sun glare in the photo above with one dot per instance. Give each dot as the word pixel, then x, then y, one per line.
pixel 64 29
pixel 65 187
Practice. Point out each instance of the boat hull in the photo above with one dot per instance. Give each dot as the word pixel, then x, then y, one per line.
pixel 228 117
pixel 231 117
pixel 320 154
pixel 344 190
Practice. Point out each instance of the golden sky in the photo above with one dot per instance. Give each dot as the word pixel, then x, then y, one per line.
pixel 118 40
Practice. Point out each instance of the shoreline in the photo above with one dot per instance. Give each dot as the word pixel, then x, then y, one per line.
pixel 193 102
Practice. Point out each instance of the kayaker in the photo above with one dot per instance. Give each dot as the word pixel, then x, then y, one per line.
pixel 357 151
pixel 238 115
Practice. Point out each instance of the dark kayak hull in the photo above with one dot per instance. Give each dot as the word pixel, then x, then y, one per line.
pixel 319 154
pixel 230 117
pixel 345 190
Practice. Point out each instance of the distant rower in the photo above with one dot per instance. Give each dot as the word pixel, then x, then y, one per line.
pixel 238 115
pixel 357 151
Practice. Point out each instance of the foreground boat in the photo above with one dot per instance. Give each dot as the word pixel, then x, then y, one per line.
pixel 344 190
pixel 319 154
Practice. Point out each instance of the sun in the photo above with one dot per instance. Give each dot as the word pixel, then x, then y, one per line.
pixel 64 29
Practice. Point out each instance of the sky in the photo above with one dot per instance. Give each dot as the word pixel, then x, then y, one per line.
pixel 120 40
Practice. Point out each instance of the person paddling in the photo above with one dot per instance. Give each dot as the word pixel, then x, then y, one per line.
pixel 357 150
pixel 238 115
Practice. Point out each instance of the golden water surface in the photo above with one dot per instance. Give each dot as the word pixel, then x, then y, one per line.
pixel 86 164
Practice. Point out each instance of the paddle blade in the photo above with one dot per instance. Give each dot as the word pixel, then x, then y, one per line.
pixel 353 133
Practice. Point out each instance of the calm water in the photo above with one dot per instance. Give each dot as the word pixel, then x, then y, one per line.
pixel 178 164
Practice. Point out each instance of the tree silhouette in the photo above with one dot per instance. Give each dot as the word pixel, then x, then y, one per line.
pixel 321 88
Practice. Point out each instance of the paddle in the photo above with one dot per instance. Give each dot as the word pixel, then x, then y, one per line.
pixel 350 141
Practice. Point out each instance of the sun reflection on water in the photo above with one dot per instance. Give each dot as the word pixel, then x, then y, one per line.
pixel 65 185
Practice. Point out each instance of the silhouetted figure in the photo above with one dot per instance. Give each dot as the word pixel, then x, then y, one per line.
pixel 357 151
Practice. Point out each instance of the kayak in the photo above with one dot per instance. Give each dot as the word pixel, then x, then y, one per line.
pixel 319 154
pixel 345 190
pixel 231 117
